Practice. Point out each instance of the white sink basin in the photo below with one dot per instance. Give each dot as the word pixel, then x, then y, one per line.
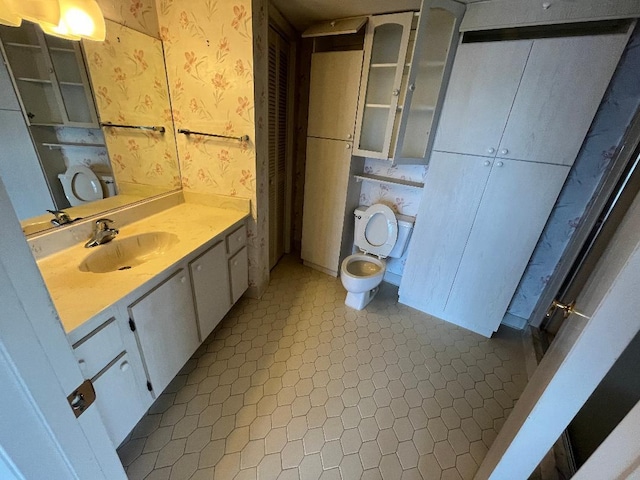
pixel 129 252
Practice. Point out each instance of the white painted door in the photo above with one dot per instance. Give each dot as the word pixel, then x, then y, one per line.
pixel 483 85
pixel 515 206
pixel 239 274
pixel 560 91
pixel 37 372
pixel 582 353
pixel 333 94
pixel 210 278
pixel 325 195
pixel 452 193
pixel 165 326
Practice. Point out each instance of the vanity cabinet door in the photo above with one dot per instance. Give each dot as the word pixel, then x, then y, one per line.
pixel 118 398
pixel 239 273
pixel 165 326
pixel 211 289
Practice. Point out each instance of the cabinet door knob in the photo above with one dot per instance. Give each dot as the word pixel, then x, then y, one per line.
pixel 487 163
pixel 504 151
pixel 124 366
pixel 183 279
pixel 199 268
pixel 349 135
pixel 412 87
pixel 348 146
pixel 396 92
pixel 499 164
pixel 491 150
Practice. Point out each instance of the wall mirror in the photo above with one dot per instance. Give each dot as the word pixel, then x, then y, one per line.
pixel 96 129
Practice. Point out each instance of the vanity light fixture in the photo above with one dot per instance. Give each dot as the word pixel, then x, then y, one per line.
pixel 8 16
pixel 38 11
pixel 69 19
pixel 78 19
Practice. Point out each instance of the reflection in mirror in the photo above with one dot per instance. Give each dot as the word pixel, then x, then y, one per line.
pixel 54 154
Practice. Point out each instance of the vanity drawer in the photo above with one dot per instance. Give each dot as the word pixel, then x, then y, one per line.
pixel 98 348
pixel 237 239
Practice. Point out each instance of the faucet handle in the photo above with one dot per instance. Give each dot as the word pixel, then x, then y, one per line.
pixel 103 223
pixel 60 217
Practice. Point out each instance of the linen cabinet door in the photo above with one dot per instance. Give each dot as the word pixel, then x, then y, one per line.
pixel 325 195
pixel 333 94
pixel 515 206
pixel 481 90
pixel 386 44
pixel 452 193
pixel 166 330
pixel 210 278
pixel 561 89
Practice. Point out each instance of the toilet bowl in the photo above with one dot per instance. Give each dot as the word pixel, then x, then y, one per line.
pixel 379 234
pixel 81 185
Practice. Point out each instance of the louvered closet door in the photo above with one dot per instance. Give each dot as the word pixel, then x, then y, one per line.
pixel 278 95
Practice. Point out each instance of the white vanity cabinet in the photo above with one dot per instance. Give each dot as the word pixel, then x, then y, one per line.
pixel 405 66
pixel 211 288
pixel 104 359
pixel 164 323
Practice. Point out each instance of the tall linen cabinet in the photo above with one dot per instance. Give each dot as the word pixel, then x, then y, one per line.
pixel 333 97
pixel 515 116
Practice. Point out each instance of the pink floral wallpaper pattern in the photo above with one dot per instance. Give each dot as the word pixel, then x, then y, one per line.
pixel 209 52
pixel 137 14
pixel 129 82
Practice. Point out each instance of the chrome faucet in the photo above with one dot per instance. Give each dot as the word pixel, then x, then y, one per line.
pixel 102 233
pixel 61 217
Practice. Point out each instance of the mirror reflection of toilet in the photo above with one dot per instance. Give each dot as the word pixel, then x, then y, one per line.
pixel 379 234
pixel 81 185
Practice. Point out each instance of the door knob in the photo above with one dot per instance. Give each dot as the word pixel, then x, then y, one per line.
pixel 348 146
pixel 499 164
pixel 349 135
pixel 504 151
pixel 491 150
pixel 412 87
pixel 199 268
pixel 487 163
pixel 396 92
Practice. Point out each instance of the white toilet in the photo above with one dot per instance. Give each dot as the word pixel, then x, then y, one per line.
pixel 379 234
pixel 82 185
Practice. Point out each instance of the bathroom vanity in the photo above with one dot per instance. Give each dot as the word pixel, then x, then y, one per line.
pixel 135 314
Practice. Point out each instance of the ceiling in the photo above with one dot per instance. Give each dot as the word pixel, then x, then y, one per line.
pixel 303 13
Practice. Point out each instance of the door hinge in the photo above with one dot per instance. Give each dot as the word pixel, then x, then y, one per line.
pixel 132 325
pixel 149 386
pixel 82 397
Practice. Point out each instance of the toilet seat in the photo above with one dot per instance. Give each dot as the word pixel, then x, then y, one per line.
pixel 377 233
pixel 81 185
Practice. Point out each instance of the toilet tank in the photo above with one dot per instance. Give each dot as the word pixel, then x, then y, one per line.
pixel 405 227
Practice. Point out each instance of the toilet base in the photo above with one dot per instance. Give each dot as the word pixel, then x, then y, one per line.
pixel 358 301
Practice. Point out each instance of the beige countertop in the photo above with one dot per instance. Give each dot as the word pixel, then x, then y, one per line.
pixel 78 296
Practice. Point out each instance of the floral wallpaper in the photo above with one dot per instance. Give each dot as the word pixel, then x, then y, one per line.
pixel 620 103
pixel 130 87
pixel 94 157
pixel 137 14
pixel 402 200
pixel 210 50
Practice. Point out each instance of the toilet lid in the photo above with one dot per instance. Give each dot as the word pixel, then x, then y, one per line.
pixel 378 230
pixel 84 184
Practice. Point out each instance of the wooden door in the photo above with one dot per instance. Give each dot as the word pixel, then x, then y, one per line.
pixel 560 91
pixel 483 85
pixel 37 372
pixel 604 322
pixel 514 208
pixel 325 194
pixel 166 329
pixel 278 150
pixel 452 193
pixel 211 291
pixel 333 94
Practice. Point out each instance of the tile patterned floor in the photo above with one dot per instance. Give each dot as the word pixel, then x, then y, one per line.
pixel 296 385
